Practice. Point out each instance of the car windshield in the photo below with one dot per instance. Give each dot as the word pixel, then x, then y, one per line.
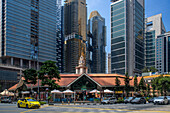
pixel 130 98
pixel 112 99
pixel 160 98
pixel 105 99
pixel 31 100
pixel 137 98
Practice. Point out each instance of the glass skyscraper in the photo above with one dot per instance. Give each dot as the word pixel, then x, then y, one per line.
pixel 96 27
pixel 127 36
pixel 28 32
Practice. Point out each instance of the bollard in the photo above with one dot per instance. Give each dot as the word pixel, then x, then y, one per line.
pixel 68 102
pixel 62 102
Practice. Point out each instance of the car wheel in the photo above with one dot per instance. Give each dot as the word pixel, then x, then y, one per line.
pixel 27 106
pixel 18 106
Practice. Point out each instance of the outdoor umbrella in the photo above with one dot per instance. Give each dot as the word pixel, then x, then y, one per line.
pixel 68 91
pixel 95 91
pixel 6 92
pixel 56 91
pixel 108 91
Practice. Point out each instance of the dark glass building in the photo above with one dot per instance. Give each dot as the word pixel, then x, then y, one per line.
pixel 127 36
pixel 97 28
pixel 28 32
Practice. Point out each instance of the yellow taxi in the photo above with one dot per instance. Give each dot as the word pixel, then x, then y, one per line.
pixel 28 103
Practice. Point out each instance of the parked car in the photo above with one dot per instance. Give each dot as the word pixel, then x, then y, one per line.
pixel 108 100
pixel 151 100
pixel 161 100
pixel 139 100
pixel 28 103
pixel 6 99
pixel 168 97
pixel 128 100
pixel 112 100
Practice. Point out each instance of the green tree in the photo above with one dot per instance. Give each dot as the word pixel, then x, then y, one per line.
pixel 49 74
pixel 153 69
pixel 153 89
pixel 30 76
pixel 148 90
pixel 145 70
pixel 127 86
pixel 150 69
pixel 135 84
pixel 117 83
pixel 142 86
pixel 164 85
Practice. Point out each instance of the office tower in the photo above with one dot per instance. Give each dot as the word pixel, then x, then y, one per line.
pixel 60 37
pixel 75 20
pixel 163 53
pixel 127 36
pixel 96 26
pixel 27 34
pixel 154 27
pixel 109 63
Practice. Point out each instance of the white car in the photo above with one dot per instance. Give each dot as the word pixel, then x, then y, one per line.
pixel 161 100
pixel 168 97
pixel 108 100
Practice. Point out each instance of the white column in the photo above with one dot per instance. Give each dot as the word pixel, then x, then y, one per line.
pixel 77 71
pixel 12 61
pixel 29 64
pixel 21 63
pixel 37 65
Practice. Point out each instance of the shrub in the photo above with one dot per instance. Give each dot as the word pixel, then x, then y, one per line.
pixel 42 103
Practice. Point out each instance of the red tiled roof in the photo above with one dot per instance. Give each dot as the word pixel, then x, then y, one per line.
pixel 105 75
pixel 102 79
pixel 13 87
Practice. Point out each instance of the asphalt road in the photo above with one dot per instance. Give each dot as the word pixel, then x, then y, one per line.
pixel 115 108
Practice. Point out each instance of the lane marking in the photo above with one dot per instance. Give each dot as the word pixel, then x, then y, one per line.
pixel 8 106
pixel 112 109
pixel 33 109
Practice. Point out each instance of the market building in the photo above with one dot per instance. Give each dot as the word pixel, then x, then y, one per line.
pixel 81 83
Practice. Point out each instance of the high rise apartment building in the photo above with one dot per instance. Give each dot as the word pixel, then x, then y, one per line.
pixel 75 22
pixel 127 36
pixel 28 32
pixel 163 53
pixel 154 27
pixel 97 28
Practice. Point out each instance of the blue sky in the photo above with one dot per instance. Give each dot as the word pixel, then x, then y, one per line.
pixel 152 7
